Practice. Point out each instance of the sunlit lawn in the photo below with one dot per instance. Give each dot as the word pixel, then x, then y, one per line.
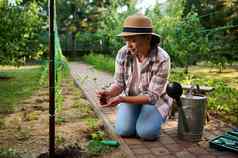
pixel 229 75
pixel 19 84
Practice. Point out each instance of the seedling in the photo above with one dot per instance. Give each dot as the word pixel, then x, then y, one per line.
pixel 59 120
pixel 60 140
pixel 98 135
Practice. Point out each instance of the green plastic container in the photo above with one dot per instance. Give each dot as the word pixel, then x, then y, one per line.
pixel 113 143
pixel 225 142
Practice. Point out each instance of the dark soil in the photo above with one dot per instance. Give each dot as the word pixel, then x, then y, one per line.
pixel 73 151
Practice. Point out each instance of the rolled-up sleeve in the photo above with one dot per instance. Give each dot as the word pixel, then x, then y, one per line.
pixel 157 85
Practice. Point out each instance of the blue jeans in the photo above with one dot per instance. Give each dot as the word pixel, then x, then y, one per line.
pixel 141 120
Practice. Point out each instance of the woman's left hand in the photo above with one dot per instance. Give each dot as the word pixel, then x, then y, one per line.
pixel 113 101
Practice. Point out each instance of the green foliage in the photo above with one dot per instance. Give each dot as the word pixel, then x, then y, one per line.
pixel 181 37
pixel 98 61
pixel 220 20
pixel 60 120
pixel 111 26
pixel 44 73
pixel 98 135
pixel 59 140
pixel 189 41
pixel 95 148
pixel 61 72
pixel 83 106
pixel 92 122
pixel 29 116
pixel 191 30
pixel 20 26
pixel 175 8
pixel 97 26
pixel 9 153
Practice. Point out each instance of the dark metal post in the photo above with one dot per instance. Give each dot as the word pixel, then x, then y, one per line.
pixel 51 47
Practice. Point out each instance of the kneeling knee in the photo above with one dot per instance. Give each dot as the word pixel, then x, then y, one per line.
pixel 147 135
pixel 125 132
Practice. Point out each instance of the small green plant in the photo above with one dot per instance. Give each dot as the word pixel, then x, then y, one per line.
pixel 31 116
pixel 59 140
pixel 83 106
pixel 60 120
pixel 92 122
pixel 95 148
pixel 98 135
pixel 9 153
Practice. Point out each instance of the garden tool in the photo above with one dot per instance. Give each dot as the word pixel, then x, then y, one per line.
pixel 112 143
pixel 175 90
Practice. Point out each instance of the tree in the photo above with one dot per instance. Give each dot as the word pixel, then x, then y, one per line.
pixel 111 26
pixel 91 18
pixel 220 18
pixel 182 36
pixel 79 16
pixel 20 27
pixel 190 42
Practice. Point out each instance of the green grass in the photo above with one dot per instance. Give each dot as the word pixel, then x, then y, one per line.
pixel 9 153
pixel 100 62
pixel 22 83
pixel 229 75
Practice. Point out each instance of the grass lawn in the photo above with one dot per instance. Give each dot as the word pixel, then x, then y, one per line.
pixel 100 62
pixel 229 75
pixel 17 84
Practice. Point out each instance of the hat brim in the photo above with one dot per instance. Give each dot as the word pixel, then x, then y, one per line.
pixel 136 33
pixel 154 35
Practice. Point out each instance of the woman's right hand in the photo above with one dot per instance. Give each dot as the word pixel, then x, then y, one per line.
pixel 103 96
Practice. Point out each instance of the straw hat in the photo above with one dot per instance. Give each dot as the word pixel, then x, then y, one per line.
pixel 138 24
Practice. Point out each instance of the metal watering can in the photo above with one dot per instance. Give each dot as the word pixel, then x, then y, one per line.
pixel 192 112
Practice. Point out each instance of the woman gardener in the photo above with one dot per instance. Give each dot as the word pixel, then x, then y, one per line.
pixel 141 76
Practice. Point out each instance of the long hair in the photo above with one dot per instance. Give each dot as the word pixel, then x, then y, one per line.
pixel 154 41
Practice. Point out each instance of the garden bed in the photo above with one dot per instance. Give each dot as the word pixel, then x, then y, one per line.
pixel 24 133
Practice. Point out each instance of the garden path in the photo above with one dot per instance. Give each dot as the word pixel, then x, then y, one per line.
pixel 168 145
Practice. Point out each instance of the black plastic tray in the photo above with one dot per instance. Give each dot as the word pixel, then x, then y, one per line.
pixel 218 144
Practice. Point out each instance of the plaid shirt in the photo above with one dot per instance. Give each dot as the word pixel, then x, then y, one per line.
pixel 153 80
